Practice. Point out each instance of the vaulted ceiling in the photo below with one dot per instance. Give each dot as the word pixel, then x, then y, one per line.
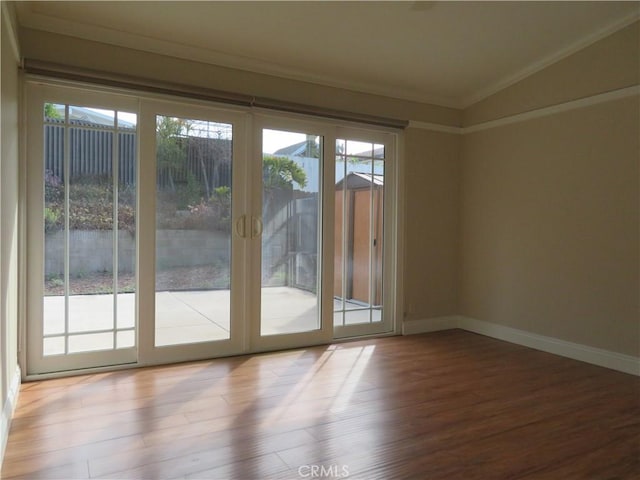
pixel 448 53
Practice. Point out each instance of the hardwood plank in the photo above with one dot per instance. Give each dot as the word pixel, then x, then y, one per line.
pixel 213 458
pixel 263 466
pixel 443 405
pixel 74 470
pixel 23 462
pixel 599 463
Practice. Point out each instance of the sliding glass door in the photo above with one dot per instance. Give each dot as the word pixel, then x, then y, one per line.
pixel 82 184
pixel 193 305
pixel 289 166
pixel 326 248
pixel 362 240
pixel 162 231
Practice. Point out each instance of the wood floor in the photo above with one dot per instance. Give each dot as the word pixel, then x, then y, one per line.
pixel 447 405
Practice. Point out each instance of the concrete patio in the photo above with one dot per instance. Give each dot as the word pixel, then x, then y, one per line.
pixel 186 317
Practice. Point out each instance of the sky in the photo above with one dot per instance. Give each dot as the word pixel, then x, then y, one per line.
pixel 273 140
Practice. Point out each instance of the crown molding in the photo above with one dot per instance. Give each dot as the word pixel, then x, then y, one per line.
pixel 37 21
pixel 10 22
pixel 436 127
pixel 537 113
pixel 553 109
pixel 551 59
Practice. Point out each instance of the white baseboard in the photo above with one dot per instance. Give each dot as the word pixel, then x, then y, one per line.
pixel 576 351
pixel 7 411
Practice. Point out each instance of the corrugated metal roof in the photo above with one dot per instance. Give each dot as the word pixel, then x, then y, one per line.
pixel 82 116
pixel 376 179
pixel 361 180
pixel 297 149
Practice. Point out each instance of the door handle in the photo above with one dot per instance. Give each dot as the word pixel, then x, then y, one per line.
pixel 256 227
pixel 241 228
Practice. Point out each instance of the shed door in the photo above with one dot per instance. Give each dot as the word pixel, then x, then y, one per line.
pixel 367 245
pixel 362 248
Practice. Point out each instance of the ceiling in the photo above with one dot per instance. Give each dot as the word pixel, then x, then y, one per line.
pixel 447 53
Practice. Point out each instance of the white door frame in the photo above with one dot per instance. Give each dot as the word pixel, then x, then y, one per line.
pixel 390 241
pixel 36 97
pixel 324 334
pixel 236 344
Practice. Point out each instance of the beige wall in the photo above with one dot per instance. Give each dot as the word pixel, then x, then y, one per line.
pixel 8 225
pixel 431 198
pixel 550 206
pixel 550 224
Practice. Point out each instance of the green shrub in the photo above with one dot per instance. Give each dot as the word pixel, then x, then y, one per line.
pixel 189 193
pixel 53 219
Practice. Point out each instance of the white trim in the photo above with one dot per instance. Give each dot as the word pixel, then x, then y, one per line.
pixel 435 127
pixel 537 113
pixel 399 209
pixel 553 109
pixel 550 60
pixel 576 351
pixel 10 24
pixel 584 353
pixel 7 411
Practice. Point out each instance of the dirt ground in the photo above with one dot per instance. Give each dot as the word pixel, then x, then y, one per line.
pixel 181 278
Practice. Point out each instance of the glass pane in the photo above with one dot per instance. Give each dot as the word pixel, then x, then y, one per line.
pixel 127 121
pixel 89 215
pixel 290 219
pixel 54 224
pixel 357 316
pixel 91 117
pixel 359 231
pixel 53 346
pixel 125 339
pixel 54 113
pixel 193 237
pixel 338 316
pixel 358 149
pixel 90 342
pixel 127 181
pixel 91 228
pixel 339 263
pixel 359 255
